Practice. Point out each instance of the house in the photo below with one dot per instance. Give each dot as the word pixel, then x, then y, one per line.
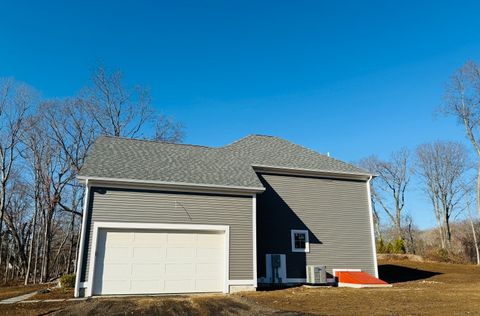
pixel 174 218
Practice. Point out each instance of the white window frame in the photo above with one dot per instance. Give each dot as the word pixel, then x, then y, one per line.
pixel 307 242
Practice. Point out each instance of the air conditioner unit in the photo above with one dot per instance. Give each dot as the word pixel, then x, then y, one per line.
pixel 316 274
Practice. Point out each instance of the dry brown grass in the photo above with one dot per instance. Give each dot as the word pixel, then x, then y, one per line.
pixel 420 288
pixel 55 293
pixel 17 290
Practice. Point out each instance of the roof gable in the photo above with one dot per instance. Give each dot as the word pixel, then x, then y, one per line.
pixel 276 152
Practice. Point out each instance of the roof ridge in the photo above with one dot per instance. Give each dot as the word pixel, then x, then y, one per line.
pixel 247 136
pixel 325 156
pixel 154 141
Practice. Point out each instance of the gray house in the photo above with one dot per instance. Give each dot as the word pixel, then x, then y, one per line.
pixel 172 218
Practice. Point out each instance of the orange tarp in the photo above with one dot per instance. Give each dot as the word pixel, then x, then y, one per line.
pixel 354 277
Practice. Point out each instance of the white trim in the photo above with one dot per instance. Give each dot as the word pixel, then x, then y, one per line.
pixel 370 209
pixel 241 282
pixel 312 172
pixel 82 241
pixel 359 286
pixel 103 225
pixel 176 185
pixel 254 233
pixel 307 242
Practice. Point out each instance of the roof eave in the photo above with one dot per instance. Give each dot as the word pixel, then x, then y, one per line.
pixel 169 186
pixel 313 172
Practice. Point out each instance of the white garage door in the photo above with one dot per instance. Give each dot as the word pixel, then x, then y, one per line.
pixel 152 261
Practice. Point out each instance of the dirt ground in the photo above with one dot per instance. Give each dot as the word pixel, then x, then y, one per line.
pixel 419 288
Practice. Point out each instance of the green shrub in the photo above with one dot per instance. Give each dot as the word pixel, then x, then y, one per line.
pixel 399 246
pixel 381 246
pixel 389 248
pixel 67 280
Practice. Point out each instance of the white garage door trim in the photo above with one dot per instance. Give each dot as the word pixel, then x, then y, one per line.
pixel 105 225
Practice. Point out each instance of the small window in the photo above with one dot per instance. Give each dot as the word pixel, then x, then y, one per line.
pixel 300 241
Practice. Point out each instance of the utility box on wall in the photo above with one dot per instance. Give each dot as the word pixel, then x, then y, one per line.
pixel 316 274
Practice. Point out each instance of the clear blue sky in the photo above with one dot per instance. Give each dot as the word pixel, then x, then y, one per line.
pixel 349 78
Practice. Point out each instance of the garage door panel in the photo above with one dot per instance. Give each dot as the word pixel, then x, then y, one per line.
pixel 179 270
pixel 180 253
pixel 155 261
pixel 147 271
pixel 116 286
pixel 179 286
pixel 147 286
pixel 205 285
pixel 207 269
pixel 116 271
pixel 210 252
pixel 149 254
pixel 209 241
pixel 115 238
pixel 150 238
pixel 181 239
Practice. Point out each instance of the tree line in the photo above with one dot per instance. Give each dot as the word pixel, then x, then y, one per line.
pixel 43 145
pixel 443 171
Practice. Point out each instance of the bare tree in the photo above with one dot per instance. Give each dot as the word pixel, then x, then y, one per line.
pixel 49 142
pixel 442 166
pixel 117 109
pixel 120 110
pixel 410 232
pixel 15 99
pixel 474 233
pixel 167 130
pixel 462 100
pixel 389 187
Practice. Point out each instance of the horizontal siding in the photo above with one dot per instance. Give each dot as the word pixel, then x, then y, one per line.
pixel 335 212
pixel 114 205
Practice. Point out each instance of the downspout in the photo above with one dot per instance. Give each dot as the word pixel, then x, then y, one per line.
pixel 370 211
pixel 82 239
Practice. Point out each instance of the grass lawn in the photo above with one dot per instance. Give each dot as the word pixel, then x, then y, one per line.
pixel 419 288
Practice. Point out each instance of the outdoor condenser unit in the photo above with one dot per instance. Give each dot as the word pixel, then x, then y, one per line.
pixel 316 274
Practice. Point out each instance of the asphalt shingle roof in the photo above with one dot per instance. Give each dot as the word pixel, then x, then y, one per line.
pixel 277 152
pixel 133 159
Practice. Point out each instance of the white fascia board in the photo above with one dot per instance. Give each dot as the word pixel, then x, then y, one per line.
pixel 372 229
pixel 242 282
pixel 83 234
pixel 313 172
pixel 173 186
pixel 254 237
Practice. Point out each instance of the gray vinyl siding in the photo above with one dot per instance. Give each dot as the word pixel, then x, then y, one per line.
pixel 335 212
pixel 115 205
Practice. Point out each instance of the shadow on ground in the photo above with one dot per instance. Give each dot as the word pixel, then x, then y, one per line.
pixel 396 274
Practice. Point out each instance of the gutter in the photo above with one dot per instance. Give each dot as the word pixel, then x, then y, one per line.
pixel 313 172
pixel 173 185
pixel 370 209
pixel 82 238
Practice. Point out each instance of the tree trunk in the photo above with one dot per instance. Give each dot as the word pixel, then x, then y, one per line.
pixel 46 252
pixel 475 242
pixel 32 242
pixel 478 188
pixel 37 250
